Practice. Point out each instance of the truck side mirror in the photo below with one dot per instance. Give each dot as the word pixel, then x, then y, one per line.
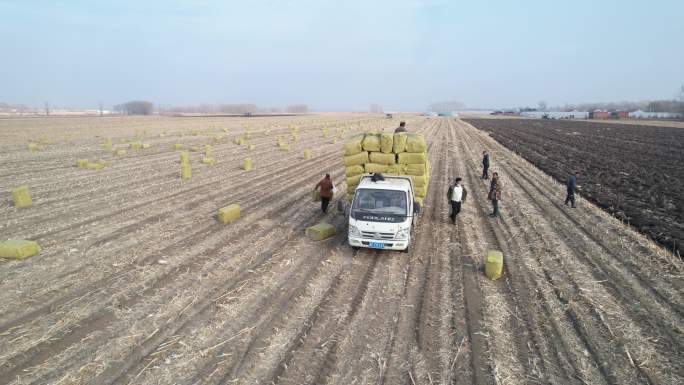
pixel 416 207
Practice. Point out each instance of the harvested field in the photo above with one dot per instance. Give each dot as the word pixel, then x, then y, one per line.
pixel 138 283
pixel 633 171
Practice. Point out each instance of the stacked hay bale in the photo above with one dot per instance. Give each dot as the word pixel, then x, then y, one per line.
pixel 389 154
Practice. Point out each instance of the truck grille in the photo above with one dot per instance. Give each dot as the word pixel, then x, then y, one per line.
pixel 371 235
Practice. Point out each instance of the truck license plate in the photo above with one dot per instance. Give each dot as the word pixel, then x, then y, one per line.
pixel 376 245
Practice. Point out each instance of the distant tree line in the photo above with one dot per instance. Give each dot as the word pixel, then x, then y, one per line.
pixel 297 109
pixel 136 107
pixel 445 107
pixel 236 109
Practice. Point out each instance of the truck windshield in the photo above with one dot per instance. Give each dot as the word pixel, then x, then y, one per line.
pixel 371 201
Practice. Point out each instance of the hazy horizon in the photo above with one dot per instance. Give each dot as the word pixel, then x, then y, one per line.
pixel 402 55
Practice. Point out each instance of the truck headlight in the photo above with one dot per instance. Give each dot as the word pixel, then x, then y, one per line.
pixel 403 233
pixel 354 232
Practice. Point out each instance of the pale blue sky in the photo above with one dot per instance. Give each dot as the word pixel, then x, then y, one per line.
pixel 340 55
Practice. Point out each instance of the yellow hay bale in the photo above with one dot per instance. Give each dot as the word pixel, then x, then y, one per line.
pixel 186 171
pixel 95 166
pixel 177 146
pixel 195 149
pixel 208 151
pixel 239 141
pixel 320 231
pixel 284 147
pixel 33 147
pixel 353 170
pixel 225 130
pixel 380 158
pixel 494 264
pixel 421 191
pixel 208 160
pixel 350 197
pixel 229 213
pixel 307 154
pixel 45 141
pixel 316 196
pixel 184 157
pixel 18 249
pixel 358 159
pixel 397 169
pixel 372 168
pixel 353 181
pixel 371 142
pixel 415 143
pixel 399 144
pixel 419 181
pixel 81 163
pixel 412 158
pixel 251 147
pixel 135 146
pixel 353 146
pixel 386 142
pixel 247 165
pixel 22 197
pixel 415 169
pixel 419 200
pixel 146 146
pixel 120 152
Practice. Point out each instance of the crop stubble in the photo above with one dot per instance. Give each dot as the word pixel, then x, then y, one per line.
pixel 257 301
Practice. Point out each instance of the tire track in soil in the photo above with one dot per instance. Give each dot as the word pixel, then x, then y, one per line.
pixel 578 333
pixel 235 371
pixel 578 319
pixel 627 293
pixel 420 317
pixel 318 352
pixel 602 242
pixel 196 188
pixel 270 302
pixel 42 352
pixel 196 237
pixel 533 354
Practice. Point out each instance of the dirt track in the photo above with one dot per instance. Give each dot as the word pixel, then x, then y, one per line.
pixel 584 300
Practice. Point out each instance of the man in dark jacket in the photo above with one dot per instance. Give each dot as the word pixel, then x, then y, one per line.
pixel 401 128
pixel 494 194
pixel 571 186
pixel 456 196
pixel 485 165
pixel 326 191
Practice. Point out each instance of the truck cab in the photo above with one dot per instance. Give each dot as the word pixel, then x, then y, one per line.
pixel 382 213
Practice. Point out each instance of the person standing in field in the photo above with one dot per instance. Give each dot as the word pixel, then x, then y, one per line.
pixel 456 196
pixel 326 191
pixel 495 194
pixel 571 186
pixel 401 128
pixel 485 164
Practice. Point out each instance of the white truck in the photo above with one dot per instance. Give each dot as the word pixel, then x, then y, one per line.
pixel 383 213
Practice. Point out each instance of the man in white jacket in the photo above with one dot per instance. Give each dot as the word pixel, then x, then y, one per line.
pixel 456 196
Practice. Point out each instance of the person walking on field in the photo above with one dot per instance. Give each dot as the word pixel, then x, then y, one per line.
pixel 456 196
pixel 326 190
pixel 495 194
pixel 401 128
pixel 571 186
pixel 485 165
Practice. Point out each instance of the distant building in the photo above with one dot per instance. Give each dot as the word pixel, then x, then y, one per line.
pixel 556 114
pixel 639 114
pixel 599 114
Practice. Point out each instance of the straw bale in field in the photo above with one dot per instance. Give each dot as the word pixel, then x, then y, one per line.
pixel 358 159
pixel 18 249
pixel 412 158
pixel 353 170
pixel 415 143
pixel 320 231
pixel 386 142
pixel 379 157
pixel 371 142
pixel 229 213
pixel 494 264
pixel 399 143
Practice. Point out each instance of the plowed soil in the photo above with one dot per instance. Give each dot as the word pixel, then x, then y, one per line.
pixel 139 284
